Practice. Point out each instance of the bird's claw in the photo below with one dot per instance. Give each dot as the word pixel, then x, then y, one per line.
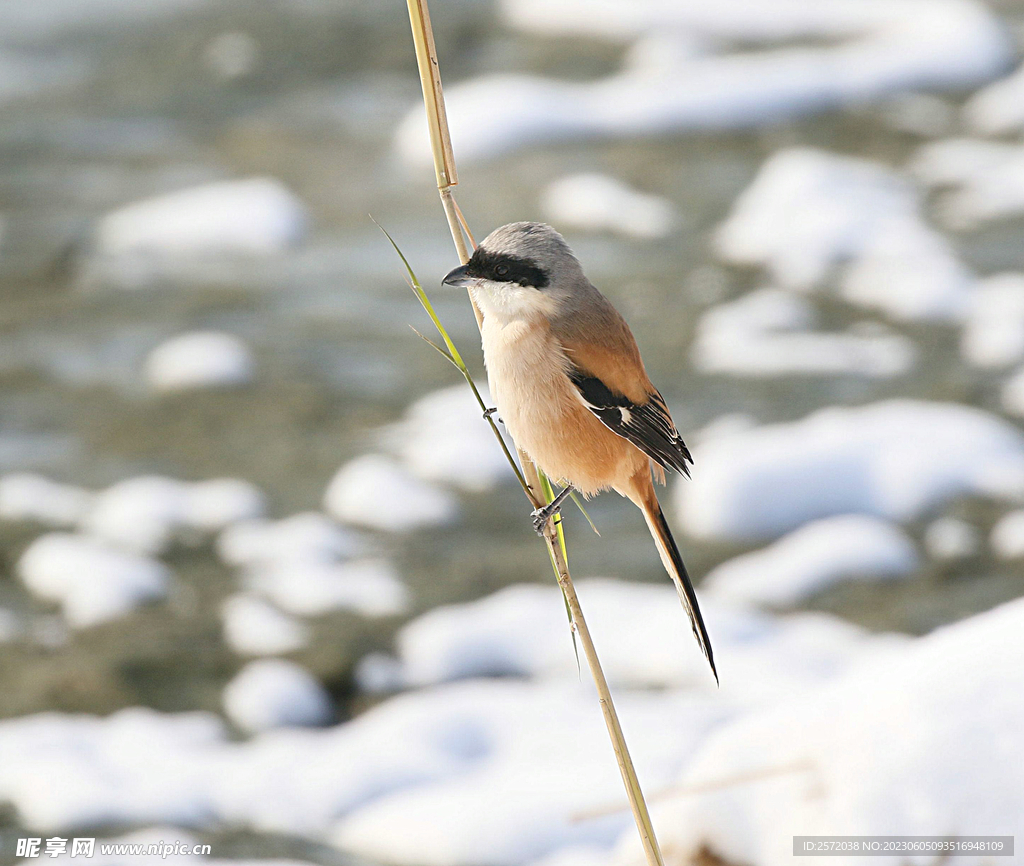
pixel 540 517
pixel 489 412
pixel 543 514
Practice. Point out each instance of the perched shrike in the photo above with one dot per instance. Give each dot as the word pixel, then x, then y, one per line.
pixel 569 384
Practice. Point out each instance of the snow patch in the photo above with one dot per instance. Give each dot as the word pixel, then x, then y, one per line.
pixel 645 640
pixel 809 211
pixel 307 537
pixel 443 438
pixel 937 719
pixel 813 558
pixel 949 539
pixel 31 497
pixel 377 492
pixel 254 627
pixel 1007 538
pixel 370 587
pixel 201 359
pixel 987 179
pixel 93 581
pixel 274 693
pixel 890 459
pixel 998 108
pixel 147 513
pixel 598 202
pixel 257 216
pixel 993 334
pixel 675 78
pixel 768 333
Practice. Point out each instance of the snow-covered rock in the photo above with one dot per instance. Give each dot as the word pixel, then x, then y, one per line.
pixel 472 745
pixel 444 438
pixel 305 537
pixel 809 211
pixel 93 581
pixel 987 179
pixel 813 558
pixel 1007 538
pixel 768 332
pixel 201 359
pixel 998 108
pixel 256 216
pixel 252 626
pixel 506 772
pixel 498 771
pixel 212 505
pixel 377 492
pixel 644 639
pixel 678 76
pixel 938 721
pixel 146 513
pixel 894 459
pixel 274 693
pixel 139 513
pixel 599 202
pixel 90 770
pixel 535 782
pixel 993 334
pixel 949 539
pixel 26 496
pixel 370 587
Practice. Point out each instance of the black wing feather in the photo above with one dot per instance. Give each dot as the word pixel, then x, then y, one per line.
pixel 648 426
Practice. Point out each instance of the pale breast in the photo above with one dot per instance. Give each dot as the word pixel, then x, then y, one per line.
pixel 542 410
pixel 526 372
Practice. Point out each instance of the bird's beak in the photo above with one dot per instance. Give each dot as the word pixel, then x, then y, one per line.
pixel 459 277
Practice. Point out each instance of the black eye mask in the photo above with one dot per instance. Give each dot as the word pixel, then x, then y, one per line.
pixel 504 268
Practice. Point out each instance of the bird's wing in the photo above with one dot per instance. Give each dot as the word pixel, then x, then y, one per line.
pixel 647 423
pixel 609 375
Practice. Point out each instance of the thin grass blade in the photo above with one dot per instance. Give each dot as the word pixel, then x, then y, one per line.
pixel 549 495
pixel 583 511
pixel 436 347
pixel 454 356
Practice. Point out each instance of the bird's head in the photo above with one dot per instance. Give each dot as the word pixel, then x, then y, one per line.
pixel 520 270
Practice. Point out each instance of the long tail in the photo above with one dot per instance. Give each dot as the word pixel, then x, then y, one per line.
pixel 673 562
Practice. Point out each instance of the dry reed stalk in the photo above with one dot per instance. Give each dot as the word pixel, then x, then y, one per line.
pixel 447 177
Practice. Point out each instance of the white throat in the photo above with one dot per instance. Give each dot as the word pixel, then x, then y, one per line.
pixel 511 302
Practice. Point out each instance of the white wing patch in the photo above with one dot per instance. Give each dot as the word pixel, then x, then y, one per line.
pixel 647 425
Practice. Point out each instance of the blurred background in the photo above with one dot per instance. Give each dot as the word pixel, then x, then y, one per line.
pixel 267 582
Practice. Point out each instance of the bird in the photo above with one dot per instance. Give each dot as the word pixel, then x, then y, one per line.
pixel 566 375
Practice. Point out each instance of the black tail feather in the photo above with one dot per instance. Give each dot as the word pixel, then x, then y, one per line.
pixel 684 586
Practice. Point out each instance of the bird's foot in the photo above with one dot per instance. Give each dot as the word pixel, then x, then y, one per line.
pixel 489 412
pixel 539 517
pixel 542 515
